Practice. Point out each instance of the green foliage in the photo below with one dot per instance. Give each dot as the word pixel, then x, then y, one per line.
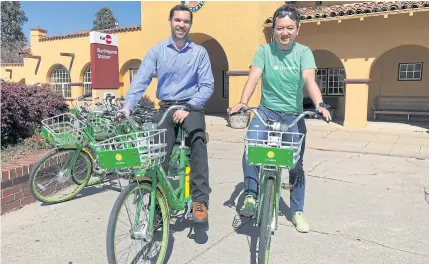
pixel 12 36
pixel 104 19
pixel 24 107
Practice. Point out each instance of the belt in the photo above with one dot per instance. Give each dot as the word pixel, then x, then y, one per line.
pixel 173 102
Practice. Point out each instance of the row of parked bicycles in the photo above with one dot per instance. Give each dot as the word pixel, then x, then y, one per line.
pixel 94 140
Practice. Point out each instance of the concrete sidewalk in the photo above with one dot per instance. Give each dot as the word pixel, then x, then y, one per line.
pixel 382 138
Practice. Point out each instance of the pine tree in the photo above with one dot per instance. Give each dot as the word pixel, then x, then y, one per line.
pixel 12 36
pixel 104 19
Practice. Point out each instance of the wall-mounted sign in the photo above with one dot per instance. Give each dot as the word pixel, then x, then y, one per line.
pixel 104 60
pixel 194 6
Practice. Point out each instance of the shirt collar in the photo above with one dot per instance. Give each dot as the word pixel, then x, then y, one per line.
pixel 188 43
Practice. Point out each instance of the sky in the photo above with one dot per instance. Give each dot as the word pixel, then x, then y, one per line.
pixel 65 17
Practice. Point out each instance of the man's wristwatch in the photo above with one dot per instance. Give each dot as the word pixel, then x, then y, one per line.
pixel 322 104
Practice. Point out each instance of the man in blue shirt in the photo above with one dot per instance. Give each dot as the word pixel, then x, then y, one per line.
pixel 184 77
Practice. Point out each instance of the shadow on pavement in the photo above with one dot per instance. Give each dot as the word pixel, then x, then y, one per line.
pixel 247 226
pixel 98 188
pixel 197 232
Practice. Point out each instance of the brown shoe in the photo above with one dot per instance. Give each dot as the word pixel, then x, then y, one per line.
pixel 199 212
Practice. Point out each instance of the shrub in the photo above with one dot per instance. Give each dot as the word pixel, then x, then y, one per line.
pixel 24 107
pixel 146 102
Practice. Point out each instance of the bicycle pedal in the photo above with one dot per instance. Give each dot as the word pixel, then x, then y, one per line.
pixel 189 216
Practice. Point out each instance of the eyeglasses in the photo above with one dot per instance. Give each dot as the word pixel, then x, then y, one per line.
pixel 283 13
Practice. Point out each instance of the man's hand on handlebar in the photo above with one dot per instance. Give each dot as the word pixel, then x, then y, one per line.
pixel 179 116
pixel 237 107
pixel 325 113
pixel 120 114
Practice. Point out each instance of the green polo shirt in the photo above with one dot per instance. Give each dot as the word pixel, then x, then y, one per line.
pixel 282 82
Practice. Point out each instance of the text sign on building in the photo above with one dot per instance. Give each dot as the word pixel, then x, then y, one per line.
pixel 104 60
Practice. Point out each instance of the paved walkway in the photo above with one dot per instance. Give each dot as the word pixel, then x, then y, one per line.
pixel 391 139
pixel 362 209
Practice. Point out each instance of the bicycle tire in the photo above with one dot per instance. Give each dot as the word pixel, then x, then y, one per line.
pixel 41 165
pixel 265 226
pixel 113 219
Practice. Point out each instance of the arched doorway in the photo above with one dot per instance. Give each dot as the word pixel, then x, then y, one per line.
pixel 218 102
pixel 399 72
pixel 330 77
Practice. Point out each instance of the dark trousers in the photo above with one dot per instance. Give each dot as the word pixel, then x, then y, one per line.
pixel 194 126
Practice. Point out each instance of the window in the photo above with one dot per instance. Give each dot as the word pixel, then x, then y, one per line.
pixel 133 73
pixel 331 80
pixel 410 71
pixel 60 80
pixel 87 82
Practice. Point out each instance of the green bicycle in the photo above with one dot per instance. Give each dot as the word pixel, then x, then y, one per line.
pixel 272 150
pixel 64 172
pixel 148 201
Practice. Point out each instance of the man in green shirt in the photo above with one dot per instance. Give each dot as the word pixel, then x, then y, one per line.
pixel 285 67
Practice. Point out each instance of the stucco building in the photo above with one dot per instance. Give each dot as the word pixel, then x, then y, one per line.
pixel 363 50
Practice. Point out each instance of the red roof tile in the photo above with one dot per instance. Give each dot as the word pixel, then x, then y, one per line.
pixel 85 33
pixel 344 10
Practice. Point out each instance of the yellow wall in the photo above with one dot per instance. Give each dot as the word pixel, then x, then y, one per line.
pixel 384 75
pixel 49 51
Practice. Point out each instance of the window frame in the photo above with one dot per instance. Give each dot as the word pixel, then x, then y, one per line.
pixel 406 71
pixel 87 83
pixel 325 90
pixel 62 74
pixel 131 71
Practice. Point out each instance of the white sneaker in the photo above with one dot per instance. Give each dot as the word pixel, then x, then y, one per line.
pixel 300 222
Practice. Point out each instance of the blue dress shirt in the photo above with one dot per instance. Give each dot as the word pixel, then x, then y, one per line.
pixel 182 74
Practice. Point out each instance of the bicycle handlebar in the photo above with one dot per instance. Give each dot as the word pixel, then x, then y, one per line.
pixel 164 116
pixel 278 125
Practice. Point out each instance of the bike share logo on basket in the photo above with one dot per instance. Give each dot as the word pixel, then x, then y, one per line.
pixel 118 157
pixel 270 154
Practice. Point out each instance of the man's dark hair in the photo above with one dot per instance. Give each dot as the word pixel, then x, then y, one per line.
pixel 180 8
pixel 289 11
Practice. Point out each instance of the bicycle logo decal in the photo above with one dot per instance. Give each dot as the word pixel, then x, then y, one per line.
pixel 270 154
pixel 118 157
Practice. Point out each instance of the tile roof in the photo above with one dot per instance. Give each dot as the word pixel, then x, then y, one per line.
pixel 353 9
pixel 85 33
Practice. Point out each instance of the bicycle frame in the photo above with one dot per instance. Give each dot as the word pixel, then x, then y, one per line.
pixel 177 198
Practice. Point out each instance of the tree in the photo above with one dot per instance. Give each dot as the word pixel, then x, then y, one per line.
pixel 12 36
pixel 104 19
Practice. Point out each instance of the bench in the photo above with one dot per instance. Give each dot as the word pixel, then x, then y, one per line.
pixel 401 105
pixel 329 100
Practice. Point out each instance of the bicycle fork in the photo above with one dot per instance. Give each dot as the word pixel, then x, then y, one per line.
pixel 270 173
pixel 65 173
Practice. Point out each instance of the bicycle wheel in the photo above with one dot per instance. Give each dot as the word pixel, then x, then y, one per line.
pixel 265 226
pixel 136 227
pixel 48 182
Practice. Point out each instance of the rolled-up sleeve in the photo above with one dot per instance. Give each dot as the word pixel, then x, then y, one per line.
pixel 205 80
pixel 142 79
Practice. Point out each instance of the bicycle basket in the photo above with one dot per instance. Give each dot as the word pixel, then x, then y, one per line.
pixel 63 130
pixel 139 149
pixel 265 147
pixel 102 128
